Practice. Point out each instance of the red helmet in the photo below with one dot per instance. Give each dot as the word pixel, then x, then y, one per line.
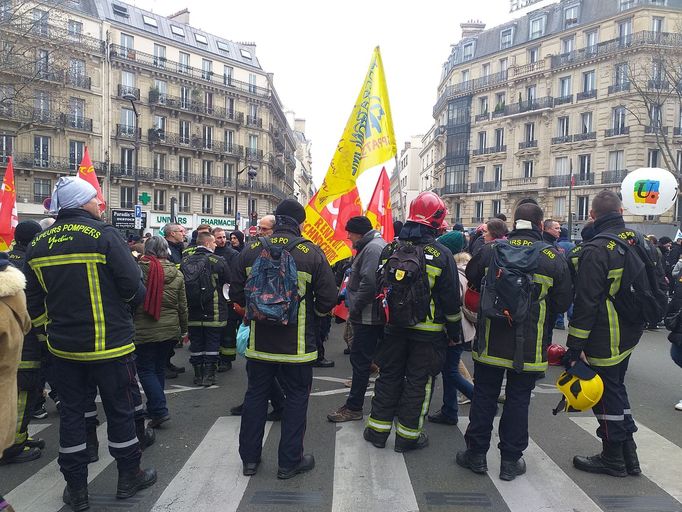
pixel 555 353
pixel 443 227
pixel 427 209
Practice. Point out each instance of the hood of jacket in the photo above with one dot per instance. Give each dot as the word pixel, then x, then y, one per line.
pixel 170 271
pixel 366 238
pixel 12 281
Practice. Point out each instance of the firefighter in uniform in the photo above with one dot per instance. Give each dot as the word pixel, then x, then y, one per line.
pixel 207 321
pixel 29 382
pixel 409 357
pixel 287 351
pixel 605 339
pixel 82 284
pixel 494 351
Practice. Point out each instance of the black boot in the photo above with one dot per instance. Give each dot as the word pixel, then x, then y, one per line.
pixel 145 435
pixel 77 499
pixel 92 446
pixel 630 456
pixel 609 462
pixel 129 482
pixel 224 365
pixel 209 375
pixel 198 374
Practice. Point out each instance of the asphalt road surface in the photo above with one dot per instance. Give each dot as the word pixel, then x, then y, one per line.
pixel 196 455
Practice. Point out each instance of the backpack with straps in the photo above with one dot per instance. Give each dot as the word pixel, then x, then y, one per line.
pixel 403 284
pixel 271 290
pixel 640 297
pixel 199 287
pixel 507 289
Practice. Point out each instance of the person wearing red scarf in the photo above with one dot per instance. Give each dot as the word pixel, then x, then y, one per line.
pixel 159 323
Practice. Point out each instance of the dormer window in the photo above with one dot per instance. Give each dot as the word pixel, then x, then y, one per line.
pixel 468 51
pixel 201 39
pixel 148 20
pixel 570 16
pixel 506 37
pixel 537 27
pixel 178 31
pixel 222 46
pixel 245 53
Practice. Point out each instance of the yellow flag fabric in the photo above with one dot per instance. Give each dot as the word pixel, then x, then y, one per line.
pixel 368 139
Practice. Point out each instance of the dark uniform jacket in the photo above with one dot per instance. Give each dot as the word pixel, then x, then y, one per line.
pixel 215 314
pixel 175 252
pixel 81 283
pixel 361 289
pixel 444 284
pixel 31 351
pixel 553 293
pixel 316 287
pixel 596 327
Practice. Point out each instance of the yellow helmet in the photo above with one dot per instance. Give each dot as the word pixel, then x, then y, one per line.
pixel 582 388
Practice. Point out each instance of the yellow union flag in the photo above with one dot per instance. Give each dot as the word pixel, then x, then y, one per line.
pixel 368 139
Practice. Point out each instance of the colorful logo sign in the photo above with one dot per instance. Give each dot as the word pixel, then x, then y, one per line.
pixel 646 191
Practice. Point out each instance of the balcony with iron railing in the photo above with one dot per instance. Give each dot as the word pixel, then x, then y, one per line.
pixel 658 84
pixel 562 139
pixel 562 100
pixel 656 129
pixel 126 90
pixel 586 95
pixel 529 106
pixel 621 87
pixel 468 87
pixel 49 162
pixel 45 117
pixel 677 131
pixel 477 220
pixel 530 181
pixel 578 137
pixel 527 69
pixel 254 121
pixel 253 154
pixel 118 52
pixel 528 144
pixel 79 80
pixel 195 107
pixel 613 46
pixel 27 27
pixel 616 132
pixel 482 117
pixel 454 188
pixel 489 151
pixel 564 180
pixel 486 186
pixel 617 176
pixel 125 131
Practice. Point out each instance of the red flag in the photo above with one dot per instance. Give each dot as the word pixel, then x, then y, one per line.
pixel 86 171
pixel 8 208
pixel 379 209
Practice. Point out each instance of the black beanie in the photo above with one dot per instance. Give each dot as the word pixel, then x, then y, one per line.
pixel 291 208
pixel 359 225
pixel 26 230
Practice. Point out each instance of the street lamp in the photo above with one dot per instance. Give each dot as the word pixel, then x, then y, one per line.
pixel 131 98
pixel 252 173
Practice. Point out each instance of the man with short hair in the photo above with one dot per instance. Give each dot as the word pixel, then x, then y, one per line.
pixel 287 350
pixel 551 231
pixel 207 309
pixel 364 313
pixel 228 341
pixel 265 225
pixel 192 246
pixel 495 350
pixel 82 284
pixel 174 234
pixel 600 335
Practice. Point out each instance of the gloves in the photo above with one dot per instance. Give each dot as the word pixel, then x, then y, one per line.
pixel 453 330
pixel 572 355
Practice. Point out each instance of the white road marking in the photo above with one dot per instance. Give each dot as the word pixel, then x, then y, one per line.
pixel 211 479
pixel 367 478
pixel 34 428
pixel 43 491
pixel 658 457
pixel 544 486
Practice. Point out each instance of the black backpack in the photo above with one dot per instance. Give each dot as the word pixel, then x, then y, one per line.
pixel 640 298
pixel 507 289
pixel 403 285
pixel 199 287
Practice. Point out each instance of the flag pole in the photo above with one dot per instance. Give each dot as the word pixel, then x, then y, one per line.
pixel 400 191
pixel 570 199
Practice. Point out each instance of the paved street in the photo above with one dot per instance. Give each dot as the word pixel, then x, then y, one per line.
pixel 199 467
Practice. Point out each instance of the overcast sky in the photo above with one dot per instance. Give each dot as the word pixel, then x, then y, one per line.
pixel 319 52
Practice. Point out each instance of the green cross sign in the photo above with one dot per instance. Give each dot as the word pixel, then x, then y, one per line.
pixel 145 198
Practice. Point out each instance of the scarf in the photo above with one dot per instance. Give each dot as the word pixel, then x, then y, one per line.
pixel 155 278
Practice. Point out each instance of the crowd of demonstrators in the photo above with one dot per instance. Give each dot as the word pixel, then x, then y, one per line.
pixel 111 318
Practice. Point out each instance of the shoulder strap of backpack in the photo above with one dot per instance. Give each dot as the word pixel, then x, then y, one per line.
pixel 293 243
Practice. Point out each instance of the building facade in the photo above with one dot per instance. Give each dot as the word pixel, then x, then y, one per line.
pixel 405 180
pixel 555 92
pixel 303 175
pixel 181 121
